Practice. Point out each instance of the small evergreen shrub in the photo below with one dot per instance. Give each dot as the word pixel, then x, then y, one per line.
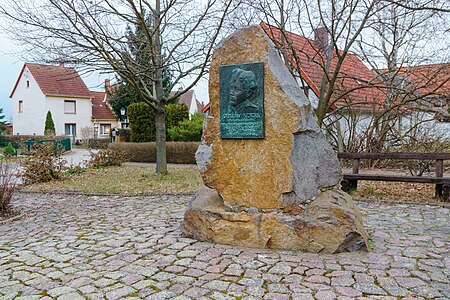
pixel 176 113
pixel 106 158
pixel 44 164
pixel 9 150
pixel 142 122
pixel 49 125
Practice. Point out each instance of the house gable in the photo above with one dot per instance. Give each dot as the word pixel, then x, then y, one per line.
pixel 56 81
pixel 356 84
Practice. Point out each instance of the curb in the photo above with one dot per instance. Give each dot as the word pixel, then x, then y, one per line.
pixel 101 194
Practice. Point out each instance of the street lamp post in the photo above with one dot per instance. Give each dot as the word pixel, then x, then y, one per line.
pixel 124 117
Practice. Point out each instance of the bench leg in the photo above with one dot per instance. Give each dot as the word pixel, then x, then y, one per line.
pixel 438 191
pixel 446 193
pixel 349 185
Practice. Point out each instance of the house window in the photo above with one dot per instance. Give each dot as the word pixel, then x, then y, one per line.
pixel 28 83
pixel 105 129
pixel 69 107
pixel 70 129
pixel 20 106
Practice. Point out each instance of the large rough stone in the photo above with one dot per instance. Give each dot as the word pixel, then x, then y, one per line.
pixel 277 192
pixel 331 223
pixel 292 163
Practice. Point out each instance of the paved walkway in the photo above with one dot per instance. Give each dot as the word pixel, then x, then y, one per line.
pixel 77 247
pixel 77 156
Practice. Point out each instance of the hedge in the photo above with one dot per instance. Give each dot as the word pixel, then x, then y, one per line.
pixel 99 143
pixel 177 152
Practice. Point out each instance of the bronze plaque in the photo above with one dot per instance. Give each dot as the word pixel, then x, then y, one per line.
pixel 242 101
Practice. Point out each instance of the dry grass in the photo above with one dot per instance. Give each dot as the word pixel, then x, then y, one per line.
pixel 126 180
pixel 403 191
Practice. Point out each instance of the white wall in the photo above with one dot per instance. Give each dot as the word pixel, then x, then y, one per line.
pixel 193 109
pixel 32 119
pixel 81 118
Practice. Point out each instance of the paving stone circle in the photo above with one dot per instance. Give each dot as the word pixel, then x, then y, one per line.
pixel 112 247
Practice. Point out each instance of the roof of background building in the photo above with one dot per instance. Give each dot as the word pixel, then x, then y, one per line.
pixel 56 80
pixel 432 79
pixel 355 80
pixel 100 109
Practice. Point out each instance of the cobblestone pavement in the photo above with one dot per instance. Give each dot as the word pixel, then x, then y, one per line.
pixel 77 247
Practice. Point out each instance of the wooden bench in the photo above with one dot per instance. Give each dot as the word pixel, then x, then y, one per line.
pixel 442 183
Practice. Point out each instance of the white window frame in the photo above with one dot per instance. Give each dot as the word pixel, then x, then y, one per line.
pixel 74 107
pixel 20 106
pixel 102 129
pixel 71 126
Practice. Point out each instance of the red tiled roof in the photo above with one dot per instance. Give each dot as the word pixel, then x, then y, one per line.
pixel 56 80
pixel 355 80
pixel 100 110
pixel 431 79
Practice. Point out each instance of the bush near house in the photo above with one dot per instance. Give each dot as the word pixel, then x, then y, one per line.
pixel 142 120
pixel 9 150
pixel 49 125
pixel 187 130
pixel 106 158
pixel 45 164
pixel 177 152
pixel 8 173
pixel 99 143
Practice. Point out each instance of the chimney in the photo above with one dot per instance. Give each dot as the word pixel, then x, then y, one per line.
pixel 61 64
pixel 107 84
pixel 321 38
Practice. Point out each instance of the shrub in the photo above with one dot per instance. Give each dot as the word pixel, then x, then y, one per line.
pixel 87 134
pixel 187 130
pixel 9 150
pixel 49 125
pixel 45 164
pixel 8 179
pixel 142 119
pixel 176 113
pixel 142 122
pixel 106 158
pixel 177 152
pixel 99 143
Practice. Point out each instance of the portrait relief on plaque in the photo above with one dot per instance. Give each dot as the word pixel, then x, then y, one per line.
pixel 242 101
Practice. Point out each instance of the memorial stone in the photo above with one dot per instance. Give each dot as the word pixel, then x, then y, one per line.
pixel 271 178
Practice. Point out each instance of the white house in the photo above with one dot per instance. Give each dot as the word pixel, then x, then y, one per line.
pixel 191 101
pixel 60 90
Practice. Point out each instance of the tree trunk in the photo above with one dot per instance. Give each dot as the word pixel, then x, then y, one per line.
pixel 160 126
pixel 160 122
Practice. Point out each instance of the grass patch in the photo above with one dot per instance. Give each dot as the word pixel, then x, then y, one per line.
pixel 125 180
pixel 405 191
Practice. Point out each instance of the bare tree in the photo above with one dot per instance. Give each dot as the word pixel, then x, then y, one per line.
pixel 179 36
pixel 343 26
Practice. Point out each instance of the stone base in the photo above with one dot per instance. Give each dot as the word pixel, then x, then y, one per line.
pixel 331 223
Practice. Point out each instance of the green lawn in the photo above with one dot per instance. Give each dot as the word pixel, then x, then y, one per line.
pixel 126 180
